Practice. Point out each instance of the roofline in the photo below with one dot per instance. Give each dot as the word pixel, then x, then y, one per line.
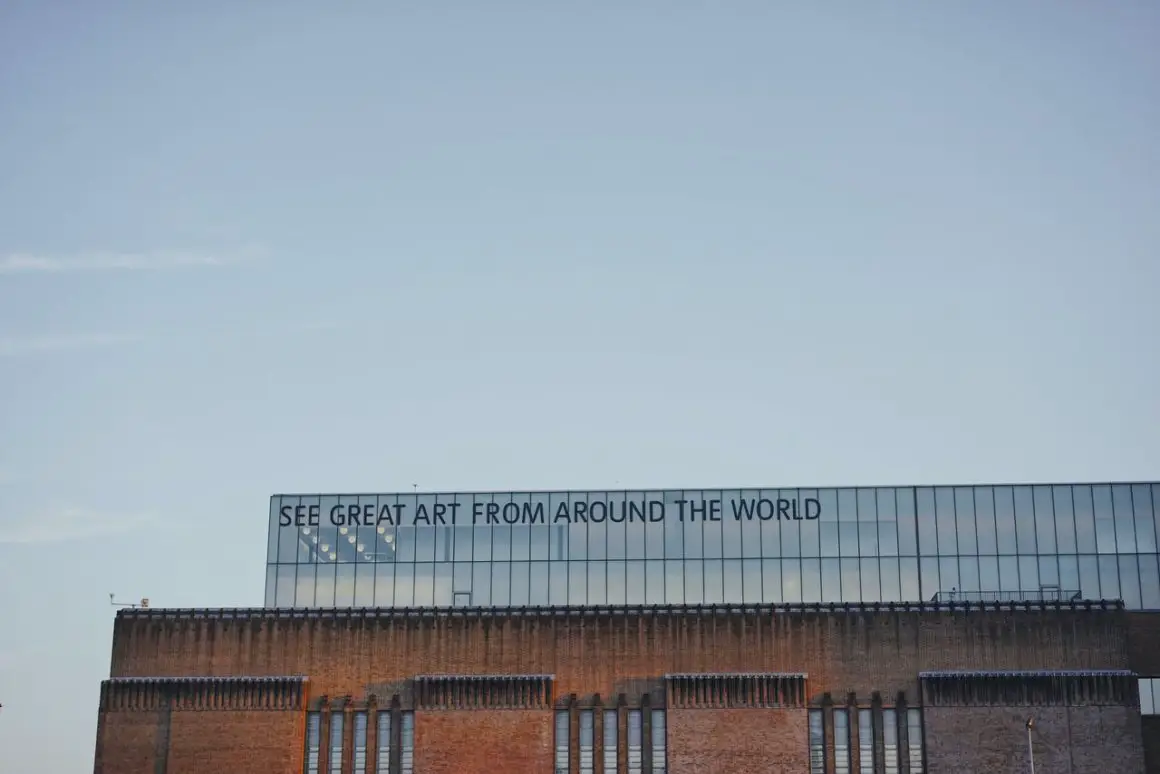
pixel 1126 482
pixel 585 611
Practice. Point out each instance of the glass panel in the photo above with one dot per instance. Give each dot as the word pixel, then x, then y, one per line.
pixel 731 527
pixel 771 580
pixel 907 529
pixel 634 581
pixel 1009 573
pixel 714 581
pixel 1147 702
pixel 914 740
pixel 1028 573
pixel 868 526
pixel 1124 519
pixel 989 574
pixel 616 584
pixel 812 579
pixel 597 583
pixel 985 520
pixel 791 535
pixel 562 730
pixel 501 541
pixel 710 530
pixel 578 583
pixel 791 587
pixel 364 585
pixel 927 527
pixel 539 584
pixel 344 585
pixel 1024 520
pixel 385 585
pixel 865 742
pixel 558 583
pixel 930 580
pixel 771 529
pixel 841 741
pixel 965 520
pixel 891 586
pixel 1130 582
pixel 587 742
pixel 1149 583
pixel 1105 519
pixel 425 583
pixel 360 741
pixel 1069 574
pixel 1064 519
pixel 750 533
pixel 871 584
pixel 383 741
pixel 851 581
pixel 817 742
pixel 1085 526
pixel 1048 571
pixel 658 741
pixel 481 584
pixel 408 744
pixel 598 530
pixel 635 757
pixel 1005 519
pixel 969 574
pixel 336 743
pixel 750 580
pixel 848 538
pixel 324 585
pixel 694 581
pixel 1044 507
pixel 616 535
pixel 610 738
pixel 271 585
pixel 313 741
pixel 654 584
pixel 1109 578
pixel 285 585
pixel 948 570
pixel 890 739
pixel 887 523
pixel 1145 521
pixel 831 580
pixel 521 577
pixel 1089 577
pixel 908 574
pixel 482 547
pixel 944 506
pixel 810 529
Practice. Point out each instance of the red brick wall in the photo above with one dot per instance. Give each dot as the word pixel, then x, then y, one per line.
pixel 126 742
pixel 993 740
pixel 269 742
pixel 855 651
pixel 474 741
pixel 738 741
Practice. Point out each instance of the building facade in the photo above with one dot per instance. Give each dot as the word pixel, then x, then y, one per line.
pixel 830 631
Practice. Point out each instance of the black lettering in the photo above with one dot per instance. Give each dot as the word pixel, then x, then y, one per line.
pixel 618 515
pixel 338 516
pixel 635 511
pixel 562 513
pixel 813 506
pixel 511 513
pixel 796 516
pixel 454 511
pixel 300 516
pixel 533 513
pixel 399 512
pixel 681 509
pixel 765 509
pixel 598 511
pixel 782 509
pixel 476 511
pixel 421 515
pixel 694 509
pixel 438 512
pixel 743 508
pixel 579 512
pixel 493 513
pixel 313 514
pixel 714 510
pixel 284 517
pixel 385 516
pixel 656 510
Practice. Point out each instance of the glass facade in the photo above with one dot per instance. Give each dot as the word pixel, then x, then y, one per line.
pixel 886 544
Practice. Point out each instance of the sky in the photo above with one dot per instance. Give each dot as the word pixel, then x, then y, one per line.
pixel 248 248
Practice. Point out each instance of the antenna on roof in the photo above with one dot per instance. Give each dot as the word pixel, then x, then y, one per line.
pixel 144 603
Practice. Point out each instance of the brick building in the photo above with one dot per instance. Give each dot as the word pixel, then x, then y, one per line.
pixel 597 632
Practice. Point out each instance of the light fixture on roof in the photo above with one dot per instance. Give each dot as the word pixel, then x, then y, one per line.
pixel 389 538
pixel 332 556
pixel 314 539
pixel 361 548
pixel 306 530
pixel 342 530
pixel 325 547
pixel 350 538
pixel 382 530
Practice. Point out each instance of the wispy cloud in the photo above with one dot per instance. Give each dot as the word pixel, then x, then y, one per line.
pixel 56 342
pixel 158 260
pixel 74 524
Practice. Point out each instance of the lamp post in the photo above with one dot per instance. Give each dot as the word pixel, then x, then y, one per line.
pixel 1030 748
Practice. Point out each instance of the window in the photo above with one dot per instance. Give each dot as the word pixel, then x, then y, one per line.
pixel 1150 695
pixel 313 741
pixel 360 742
pixel 562 742
pixel 817 742
pixel 408 744
pixel 383 759
pixel 335 763
pixel 610 733
pixel 841 741
pixel 634 742
pixel 914 740
pixel 659 765
pixel 865 742
pixel 587 735
pixel 890 740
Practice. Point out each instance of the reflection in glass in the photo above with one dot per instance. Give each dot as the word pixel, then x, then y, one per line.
pixel 1105 521
pixel 1130 581
pixel 965 520
pixel 927 527
pixel 616 589
pixel 1044 507
pixel 1144 519
pixel 811 580
pixel 732 572
pixel 1124 519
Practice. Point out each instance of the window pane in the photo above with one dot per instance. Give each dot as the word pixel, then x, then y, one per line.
pixel 1130 582
pixel 1109 578
pixel 907 529
pixel 383 743
pixel 1149 583
pixel 1024 520
pixel 770 580
pixel 1043 504
pixel 1089 577
pixel 714 581
pixel 658 742
pixel 817 742
pixel 865 742
pixel 562 742
pixel 891 586
pixel 1105 519
pixel 336 743
pixel 1145 521
pixel 965 521
pixel 408 744
pixel 1124 519
pixel 812 580
pixel 587 742
pixel 985 520
pixel 1005 519
pixel 841 741
pixel 1064 519
pixel 360 741
pixel 914 740
pixel 610 739
pixel 890 740
pixel 313 741
pixel 1147 702
pixel 635 755
pixel 908 575
pixel 927 528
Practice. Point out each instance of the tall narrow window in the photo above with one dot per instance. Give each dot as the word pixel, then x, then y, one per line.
pixel 383 742
pixel 562 742
pixel 659 759
pixel 865 742
pixel 313 741
pixel 335 764
pixel 610 733
pixel 408 744
pixel 817 742
pixel 587 742
pixel 914 740
pixel 360 742
pixel 635 756
pixel 841 741
pixel 890 740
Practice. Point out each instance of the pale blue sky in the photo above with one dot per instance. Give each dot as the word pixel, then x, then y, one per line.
pixel 254 247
